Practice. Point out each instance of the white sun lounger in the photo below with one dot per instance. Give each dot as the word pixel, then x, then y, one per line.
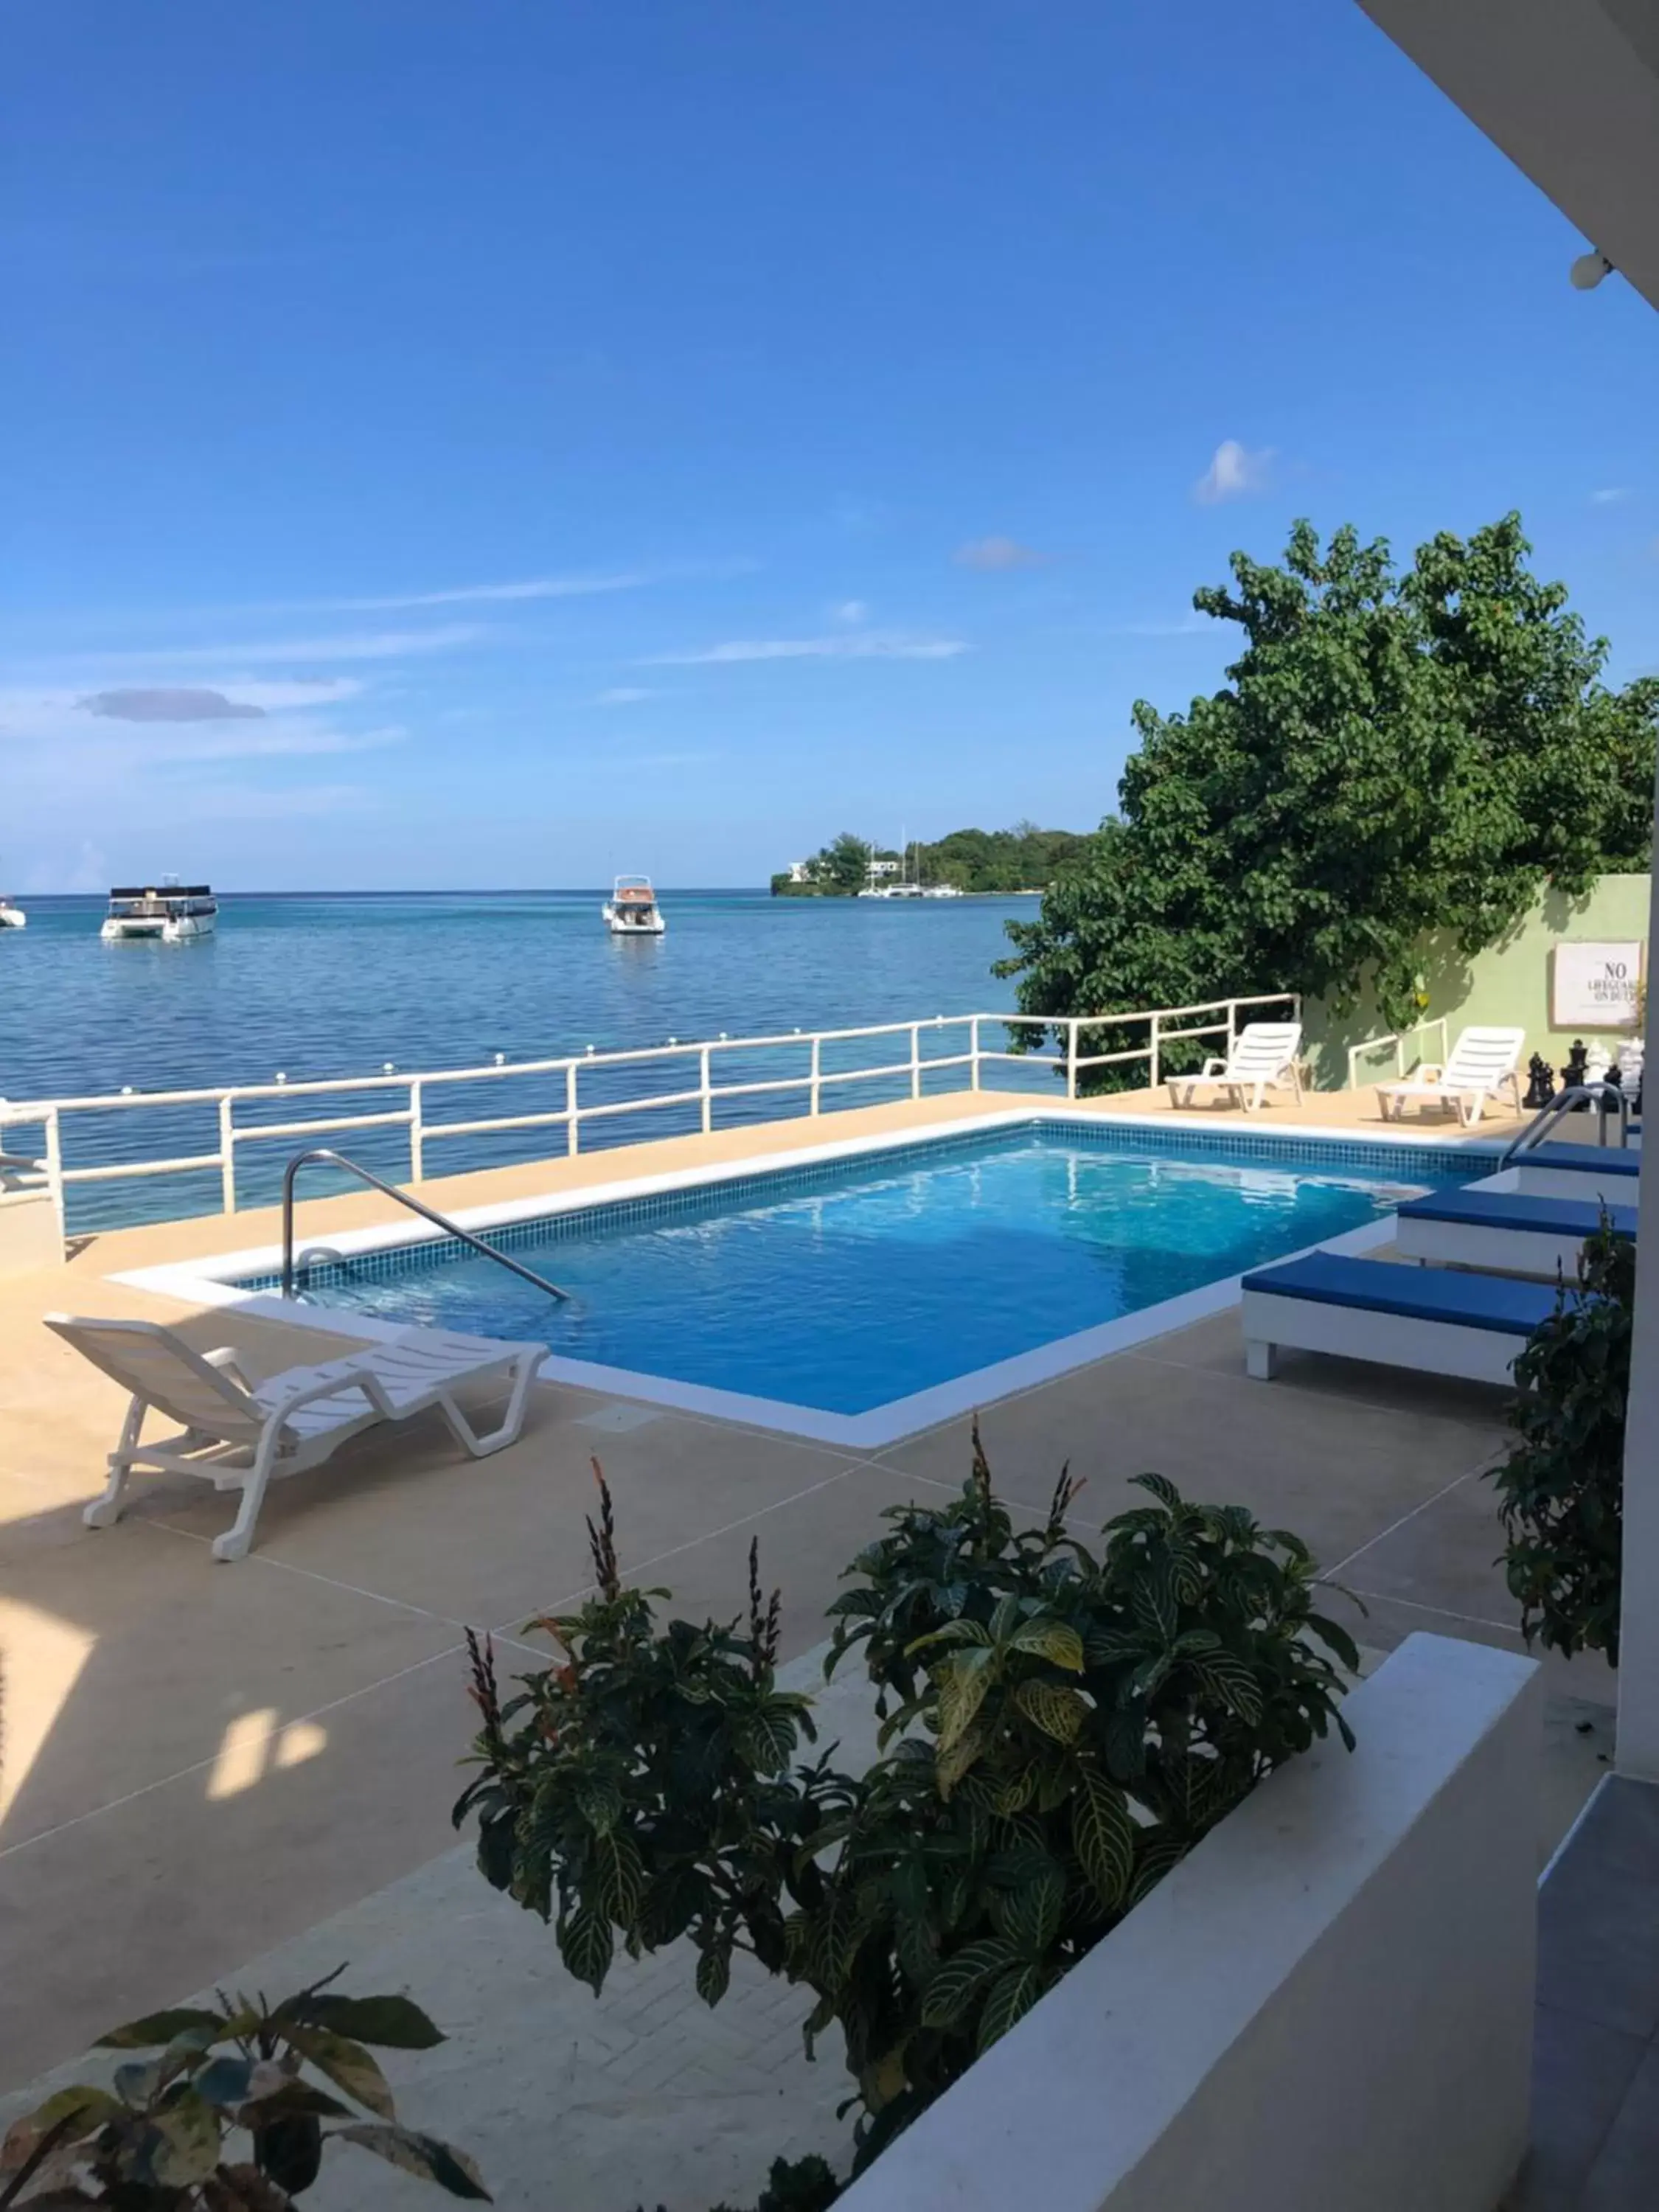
pixel 1263 1056
pixel 1482 1063
pixel 238 1434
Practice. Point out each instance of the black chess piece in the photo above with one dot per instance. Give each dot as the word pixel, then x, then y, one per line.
pixel 1573 1074
pixel 1614 1083
pixel 1541 1089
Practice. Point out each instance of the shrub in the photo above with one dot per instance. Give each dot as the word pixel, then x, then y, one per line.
pixel 156 2140
pixel 1059 1730
pixel 801 2184
pixel 1561 1486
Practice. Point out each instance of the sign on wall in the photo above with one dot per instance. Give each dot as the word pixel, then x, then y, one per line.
pixel 1595 986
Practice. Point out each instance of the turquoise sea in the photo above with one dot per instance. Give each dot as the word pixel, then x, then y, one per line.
pixel 316 985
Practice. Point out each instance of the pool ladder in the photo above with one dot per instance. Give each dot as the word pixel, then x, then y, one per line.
pixel 1601 1098
pixel 414 1205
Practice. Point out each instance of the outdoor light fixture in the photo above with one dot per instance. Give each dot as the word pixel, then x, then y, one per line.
pixel 1587 272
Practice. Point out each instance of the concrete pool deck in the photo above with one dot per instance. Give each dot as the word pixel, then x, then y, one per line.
pixel 199 1762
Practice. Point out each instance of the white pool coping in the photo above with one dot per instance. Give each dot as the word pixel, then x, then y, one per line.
pixel 214 1281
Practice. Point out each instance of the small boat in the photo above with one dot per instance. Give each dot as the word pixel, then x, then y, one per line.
pixel 632 909
pixel 12 917
pixel 175 913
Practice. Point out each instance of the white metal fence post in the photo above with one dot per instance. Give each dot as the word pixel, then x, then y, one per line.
pixel 417 1132
pixel 1232 1026
pixel 916 1060
pixel 1072 1034
pixel 55 1168
pixel 1157 1053
pixel 973 1053
pixel 708 1084
pixel 226 1153
pixel 815 1091
pixel 571 1125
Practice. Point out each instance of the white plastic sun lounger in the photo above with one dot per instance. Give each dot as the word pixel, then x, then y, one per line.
pixel 238 1434
pixel 1263 1057
pixel 1482 1063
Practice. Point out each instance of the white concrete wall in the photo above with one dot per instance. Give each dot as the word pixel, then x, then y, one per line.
pixel 1327 2007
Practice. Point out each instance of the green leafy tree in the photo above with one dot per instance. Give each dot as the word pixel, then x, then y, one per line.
pixel 1392 756
pixel 844 863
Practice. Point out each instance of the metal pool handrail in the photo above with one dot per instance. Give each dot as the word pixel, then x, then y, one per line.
pixel 1592 1095
pixel 414 1205
pixel 407 1096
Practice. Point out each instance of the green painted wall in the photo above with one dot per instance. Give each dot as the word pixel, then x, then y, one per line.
pixel 1508 983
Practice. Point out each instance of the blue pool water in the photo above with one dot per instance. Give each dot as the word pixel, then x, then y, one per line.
pixel 846 1285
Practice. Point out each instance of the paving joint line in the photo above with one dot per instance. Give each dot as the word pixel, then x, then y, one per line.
pixel 269 1560
pixel 643 1566
pixel 1441 1613
pixel 1470 1474
pixel 202 1765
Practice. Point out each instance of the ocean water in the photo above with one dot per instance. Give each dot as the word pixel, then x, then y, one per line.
pixel 844 1287
pixel 316 986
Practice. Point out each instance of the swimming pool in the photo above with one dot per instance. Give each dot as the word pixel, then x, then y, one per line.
pixel 846 1285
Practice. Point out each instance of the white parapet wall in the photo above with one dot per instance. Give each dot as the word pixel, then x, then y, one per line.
pixel 1327 2007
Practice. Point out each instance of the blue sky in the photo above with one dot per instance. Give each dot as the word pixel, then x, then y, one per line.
pixel 468 442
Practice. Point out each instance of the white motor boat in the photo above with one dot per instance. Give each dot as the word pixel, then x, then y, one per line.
pixel 12 917
pixel 632 909
pixel 176 913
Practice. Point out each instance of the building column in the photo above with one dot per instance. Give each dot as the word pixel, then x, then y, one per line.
pixel 1637 1752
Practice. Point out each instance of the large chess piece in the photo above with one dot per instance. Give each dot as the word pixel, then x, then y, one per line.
pixel 1613 1081
pixel 1574 1073
pixel 1630 1070
pixel 1541 1088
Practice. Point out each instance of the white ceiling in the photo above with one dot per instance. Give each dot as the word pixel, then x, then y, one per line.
pixel 1570 90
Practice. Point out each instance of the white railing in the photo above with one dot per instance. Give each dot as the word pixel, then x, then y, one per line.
pixel 409 1097
pixel 1397 1046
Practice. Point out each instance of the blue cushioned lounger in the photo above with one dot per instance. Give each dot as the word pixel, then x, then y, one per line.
pixel 1518 1210
pixel 1513 1232
pixel 1584 1159
pixel 1433 1319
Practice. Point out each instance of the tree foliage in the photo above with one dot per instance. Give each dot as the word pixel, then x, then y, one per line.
pixel 1024 858
pixel 1060 1725
pixel 1392 756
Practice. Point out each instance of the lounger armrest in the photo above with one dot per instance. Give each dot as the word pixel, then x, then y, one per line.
pixel 1212 1066
pixel 334 1386
pixel 1430 1070
pixel 224 1357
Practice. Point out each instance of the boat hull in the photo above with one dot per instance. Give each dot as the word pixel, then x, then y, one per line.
pixel 12 917
pixel 176 929
pixel 624 925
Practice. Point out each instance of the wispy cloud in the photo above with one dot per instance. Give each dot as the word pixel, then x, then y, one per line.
pixel 852 611
pixel 990 555
pixel 533 588
pixel 164 704
pixel 848 645
pixel 374 645
pixel 61 732
pixel 207 801
pixel 1188 625
pixel 286 741
pixel 623 695
pixel 1613 495
pixel 1234 473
